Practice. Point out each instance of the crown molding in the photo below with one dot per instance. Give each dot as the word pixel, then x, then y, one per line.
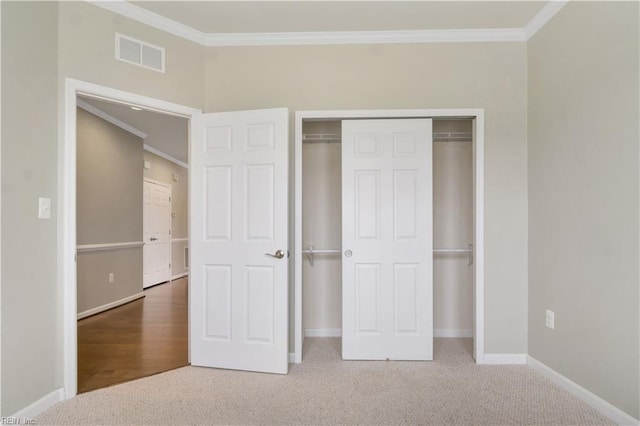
pixel 167 157
pixel 129 128
pixel 124 8
pixel 546 13
pixel 365 37
pixel 110 118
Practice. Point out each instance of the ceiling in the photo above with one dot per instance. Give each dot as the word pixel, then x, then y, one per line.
pixel 317 16
pixel 166 133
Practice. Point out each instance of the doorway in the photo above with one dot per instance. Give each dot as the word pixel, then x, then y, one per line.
pixel 322 120
pixel 68 202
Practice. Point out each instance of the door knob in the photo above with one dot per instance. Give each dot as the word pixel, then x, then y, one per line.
pixel 278 255
pixel 153 239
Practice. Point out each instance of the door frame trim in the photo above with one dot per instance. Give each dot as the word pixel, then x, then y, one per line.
pixel 477 114
pixel 66 224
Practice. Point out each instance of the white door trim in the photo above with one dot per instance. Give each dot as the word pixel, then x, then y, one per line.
pixel 67 279
pixel 478 170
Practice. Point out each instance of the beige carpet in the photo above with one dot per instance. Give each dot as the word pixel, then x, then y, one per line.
pixel 326 390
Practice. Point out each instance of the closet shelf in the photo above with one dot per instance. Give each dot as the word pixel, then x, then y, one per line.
pixel 321 137
pixel 452 136
pixel 437 137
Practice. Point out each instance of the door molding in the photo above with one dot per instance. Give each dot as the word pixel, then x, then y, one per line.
pixel 477 114
pixel 67 277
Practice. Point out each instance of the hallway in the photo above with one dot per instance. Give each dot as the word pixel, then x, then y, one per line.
pixel 139 339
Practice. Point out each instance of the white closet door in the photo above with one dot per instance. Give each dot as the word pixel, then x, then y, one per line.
pixel 239 224
pixel 387 276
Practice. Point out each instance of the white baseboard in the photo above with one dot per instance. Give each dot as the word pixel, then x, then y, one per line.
pixel 108 306
pixel 175 277
pixel 504 359
pixel 323 332
pixel 606 408
pixel 292 358
pixel 452 332
pixel 41 405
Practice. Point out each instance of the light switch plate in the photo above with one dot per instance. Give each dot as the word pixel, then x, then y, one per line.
pixel 44 208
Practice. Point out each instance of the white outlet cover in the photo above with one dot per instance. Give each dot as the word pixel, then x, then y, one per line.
pixel 550 319
pixel 44 208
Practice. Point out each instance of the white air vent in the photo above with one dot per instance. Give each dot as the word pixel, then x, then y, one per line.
pixel 138 52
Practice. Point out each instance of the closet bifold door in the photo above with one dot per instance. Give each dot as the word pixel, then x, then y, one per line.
pixel 387 268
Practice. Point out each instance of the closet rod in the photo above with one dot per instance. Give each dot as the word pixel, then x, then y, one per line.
pixel 469 250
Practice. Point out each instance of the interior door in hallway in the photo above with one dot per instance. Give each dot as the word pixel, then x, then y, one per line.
pixel 156 233
pixel 387 242
pixel 239 240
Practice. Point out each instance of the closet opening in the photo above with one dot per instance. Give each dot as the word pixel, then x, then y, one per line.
pixel 456 160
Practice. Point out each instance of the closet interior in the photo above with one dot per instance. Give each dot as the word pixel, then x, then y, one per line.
pixel 452 228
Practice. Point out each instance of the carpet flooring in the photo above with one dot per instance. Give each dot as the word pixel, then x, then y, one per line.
pixel 451 390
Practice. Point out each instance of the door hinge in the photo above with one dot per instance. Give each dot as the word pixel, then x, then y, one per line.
pixel 169 231
pixel 169 264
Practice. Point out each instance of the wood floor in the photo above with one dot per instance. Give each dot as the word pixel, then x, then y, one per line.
pixel 141 338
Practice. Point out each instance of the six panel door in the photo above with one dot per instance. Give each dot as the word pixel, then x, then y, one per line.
pixel 387 303
pixel 239 235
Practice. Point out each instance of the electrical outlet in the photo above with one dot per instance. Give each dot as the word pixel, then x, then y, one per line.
pixel 111 277
pixel 550 319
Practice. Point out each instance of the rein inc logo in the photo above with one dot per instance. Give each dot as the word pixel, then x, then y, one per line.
pixel 16 421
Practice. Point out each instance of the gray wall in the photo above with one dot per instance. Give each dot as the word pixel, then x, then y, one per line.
pixel 109 210
pixel 583 198
pixel 42 44
pixel 31 344
pixel 162 171
pixel 451 75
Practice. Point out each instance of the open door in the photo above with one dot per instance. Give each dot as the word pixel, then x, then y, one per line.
pixel 238 297
pixel 387 267
pixel 156 233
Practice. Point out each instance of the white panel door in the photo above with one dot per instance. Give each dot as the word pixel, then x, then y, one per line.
pixel 239 288
pixel 387 289
pixel 156 231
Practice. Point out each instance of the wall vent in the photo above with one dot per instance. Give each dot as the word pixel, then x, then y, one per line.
pixel 140 53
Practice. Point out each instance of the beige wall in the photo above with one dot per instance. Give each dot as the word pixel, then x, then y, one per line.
pixel 42 44
pixel 87 51
pixel 162 171
pixel 478 75
pixel 583 198
pixel 109 210
pixel 31 343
